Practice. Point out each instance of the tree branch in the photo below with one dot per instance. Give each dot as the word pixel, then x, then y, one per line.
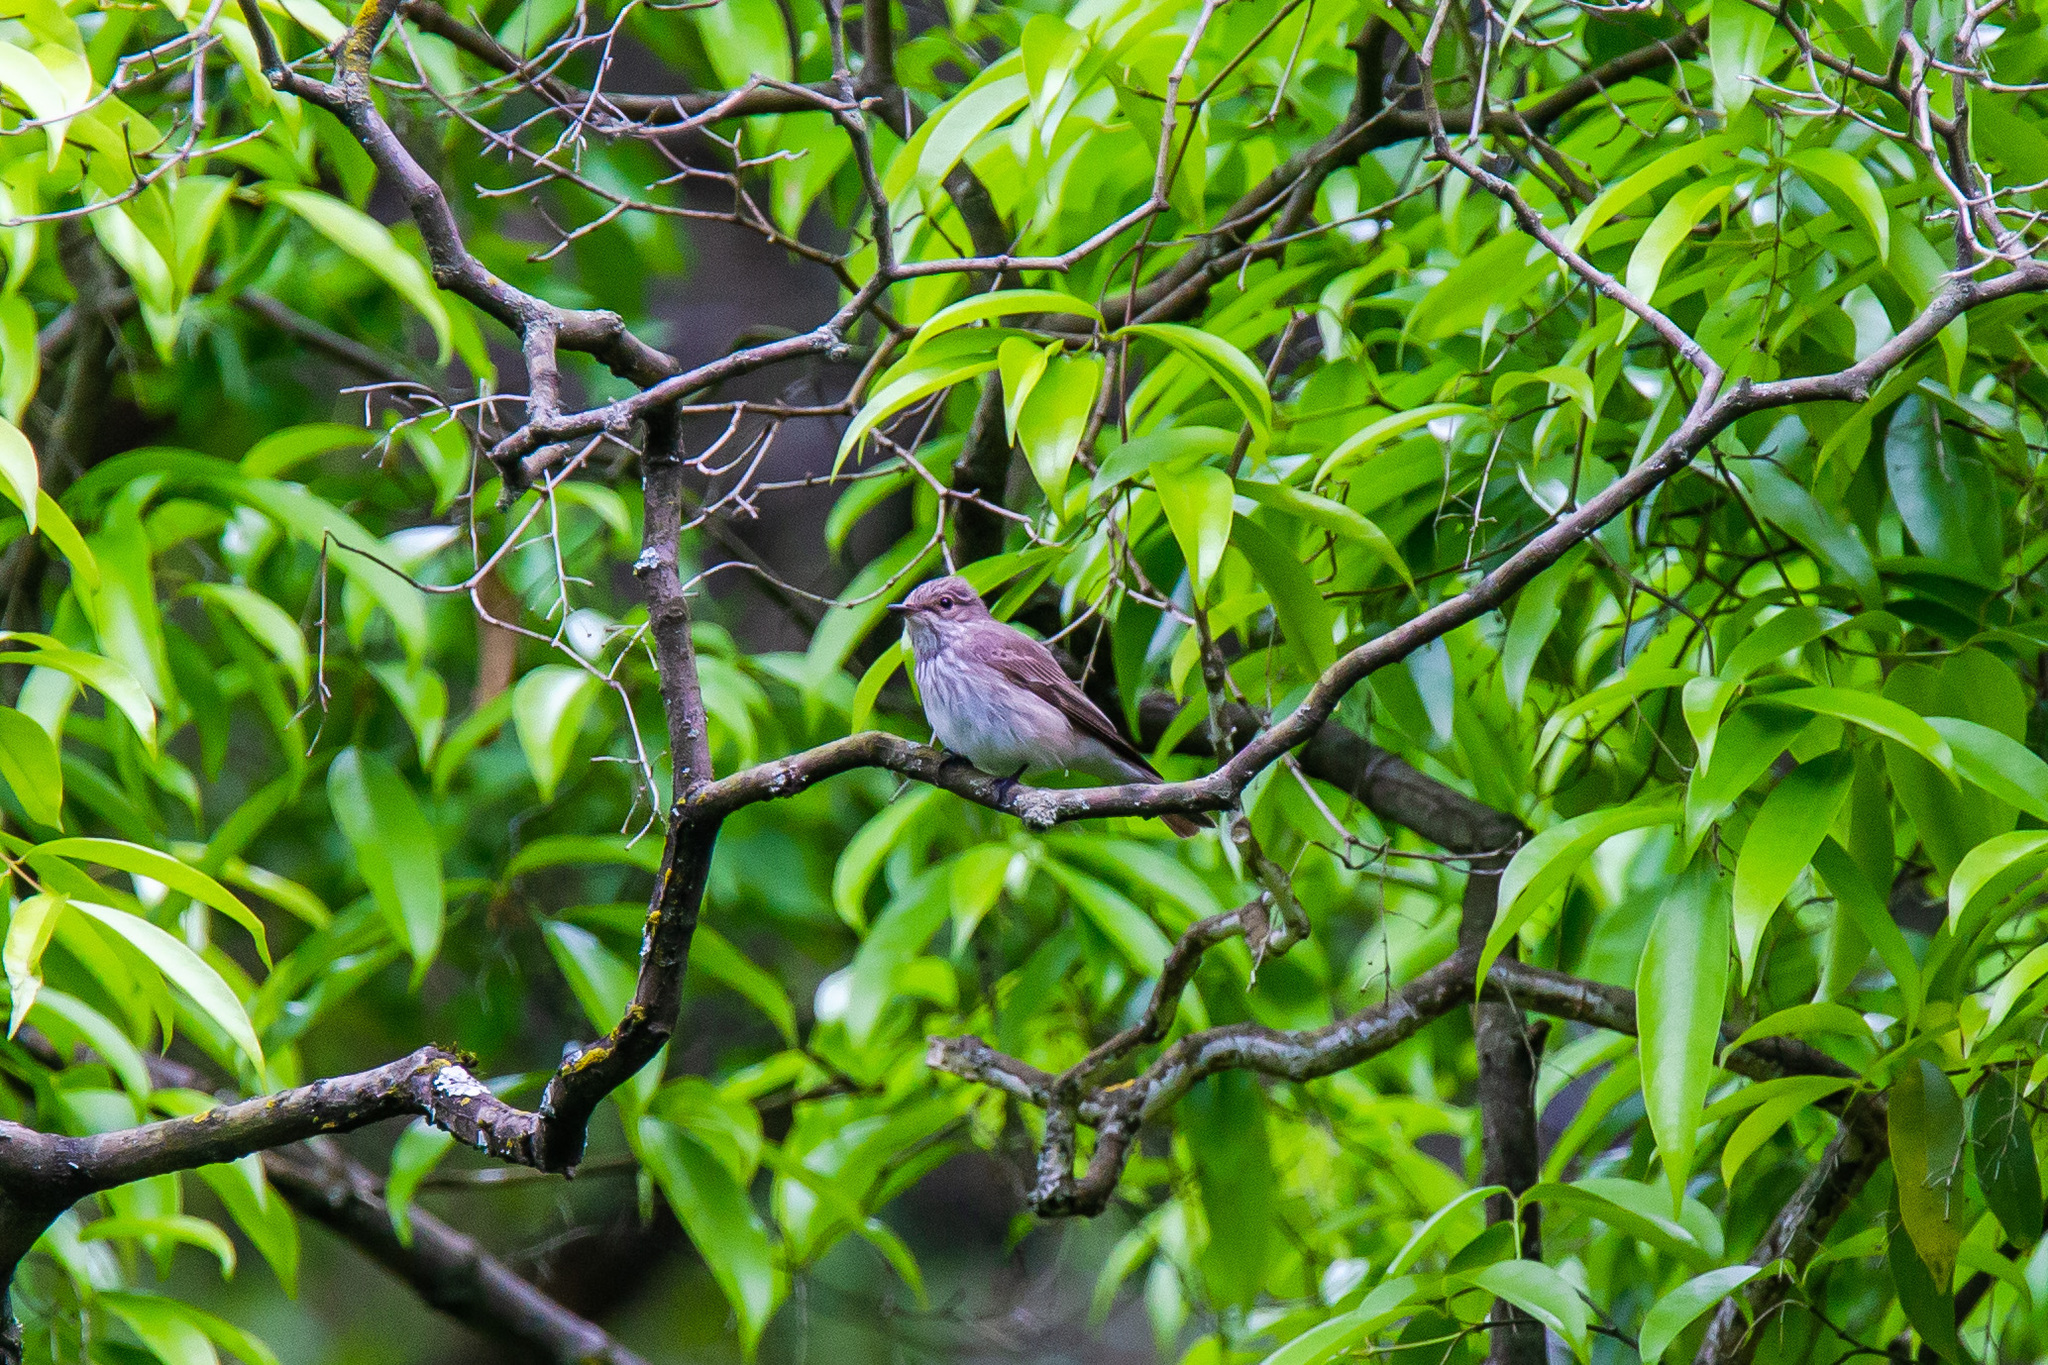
pixel 1507 1054
pixel 449 1271
pixel 1119 1110
pixel 1852 1157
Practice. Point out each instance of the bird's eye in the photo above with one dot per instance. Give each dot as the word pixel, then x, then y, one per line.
pixel 945 604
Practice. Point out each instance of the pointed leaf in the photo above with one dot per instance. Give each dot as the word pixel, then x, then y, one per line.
pixel 1198 508
pixel 187 971
pixel 1795 817
pixel 1683 1306
pixel 1681 985
pixel 548 708
pixel 31 767
pixel 396 850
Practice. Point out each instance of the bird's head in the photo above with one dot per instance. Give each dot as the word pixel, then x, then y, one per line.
pixel 942 605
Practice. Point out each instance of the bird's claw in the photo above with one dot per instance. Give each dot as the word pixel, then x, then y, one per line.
pixel 1005 786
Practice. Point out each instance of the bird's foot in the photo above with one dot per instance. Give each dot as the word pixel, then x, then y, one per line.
pixel 1005 786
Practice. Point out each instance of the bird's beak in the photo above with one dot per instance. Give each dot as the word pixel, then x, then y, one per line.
pixel 900 608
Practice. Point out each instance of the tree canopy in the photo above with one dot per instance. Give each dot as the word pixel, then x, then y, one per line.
pixel 1561 482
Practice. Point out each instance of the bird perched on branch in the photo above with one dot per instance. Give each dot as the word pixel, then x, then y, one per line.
pixel 999 698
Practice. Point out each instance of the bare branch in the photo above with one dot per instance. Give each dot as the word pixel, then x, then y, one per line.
pixel 449 1271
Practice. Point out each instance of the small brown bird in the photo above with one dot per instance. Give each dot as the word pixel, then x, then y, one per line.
pixel 999 698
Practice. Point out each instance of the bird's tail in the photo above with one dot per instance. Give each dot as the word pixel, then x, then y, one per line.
pixel 1185 826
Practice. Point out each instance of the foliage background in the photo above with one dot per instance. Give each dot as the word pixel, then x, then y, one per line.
pixel 427 806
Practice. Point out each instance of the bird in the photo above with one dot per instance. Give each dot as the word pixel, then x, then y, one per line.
pixel 1000 700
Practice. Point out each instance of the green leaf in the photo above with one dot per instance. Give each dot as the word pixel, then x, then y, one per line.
pixel 1683 1306
pixel 1790 629
pixel 2002 1150
pixel 1367 440
pixel 1231 369
pixel 1835 173
pixel 165 1327
pixel 262 1215
pixel 421 697
pixel 1669 230
pixel 1054 417
pixel 1639 1210
pixel 1930 1308
pixel 1198 508
pixel 1304 615
pixel 1486 283
pixel 29 926
pixel 1538 609
pixel 1738 44
pixel 1925 1123
pixel 397 851
pixel 175 1227
pixel 1330 515
pixel 954 358
pixel 721 1221
pixel 869 689
pixel 370 242
pixel 863 855
pixel 712 955
pixel 1800 1020
pixel 1002 303
pixel 1326 1340
pixel 60 531
pixel 1866 904
pixel 60 1016
pixel 1996 762
pixel 20 364
pixel 1427 1232
pixel 29 78
pixel 201 984
pixel 130 622
pixel 162 867
pixel 1994 869
pixel 1681 984
pixel 1541 1292
pixel 267 623
pixel 1636 184
pixel 1768 1117
pixel 561 850
pixel 1942 491
pixel 1787 505
pixel 600 979
pixel 1021 363
pixel 957 125
pixel 414 1156
pixel 1177 448
pixel 1876 714
pixel 548 707
pixel 1998 1002
pixel 182 1335
pixel 30 765
pixel 17 471
pixel 1547 862
pixel 974 885
pixel 1118 917
pixel 1576 383
pixel 113 681
pixel 1224 1118
pixel 283 451
pixel 1795 817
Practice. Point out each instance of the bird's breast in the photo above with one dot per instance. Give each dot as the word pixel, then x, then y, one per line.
pixel 994 724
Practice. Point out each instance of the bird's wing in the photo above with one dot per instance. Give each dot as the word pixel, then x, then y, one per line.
pixel 1032 666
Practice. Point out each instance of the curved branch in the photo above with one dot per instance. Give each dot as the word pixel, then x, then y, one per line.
pixel 450 1272
pixel 1117 1111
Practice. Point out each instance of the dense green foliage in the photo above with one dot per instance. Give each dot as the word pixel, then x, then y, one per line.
pixel 321 743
